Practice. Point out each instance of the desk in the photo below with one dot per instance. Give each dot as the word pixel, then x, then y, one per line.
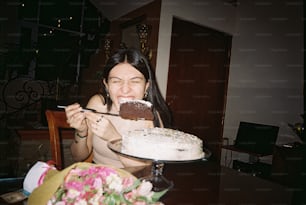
pixel 209 183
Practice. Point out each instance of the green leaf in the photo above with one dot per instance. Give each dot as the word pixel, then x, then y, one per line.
pixel 143 198
pixel 124 200
pixel 59 194
pixel 112 199
pixel 156 196
pixel 134 186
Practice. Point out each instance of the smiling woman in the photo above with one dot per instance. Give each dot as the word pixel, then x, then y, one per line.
pixel 124 83
pixel 126 76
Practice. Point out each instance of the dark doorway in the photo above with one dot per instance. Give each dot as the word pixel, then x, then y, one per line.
pixel 197 81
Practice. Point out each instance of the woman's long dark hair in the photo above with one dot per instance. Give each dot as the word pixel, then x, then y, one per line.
pixel 138 60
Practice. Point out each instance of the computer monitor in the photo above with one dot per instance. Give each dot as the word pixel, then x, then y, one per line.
pixel 256 138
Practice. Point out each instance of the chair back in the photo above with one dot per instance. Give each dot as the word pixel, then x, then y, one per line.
pixel 56 121
pixel 256 138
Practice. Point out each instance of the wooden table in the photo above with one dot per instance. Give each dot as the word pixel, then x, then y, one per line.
pixel 209 183
pixel 199 182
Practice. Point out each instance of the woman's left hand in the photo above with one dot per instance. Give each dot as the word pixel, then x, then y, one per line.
pixel 101 126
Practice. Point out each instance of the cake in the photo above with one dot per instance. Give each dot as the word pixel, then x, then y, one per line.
pixel 162 144
pixel 136 110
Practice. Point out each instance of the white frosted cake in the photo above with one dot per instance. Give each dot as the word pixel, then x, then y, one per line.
pixel 162 144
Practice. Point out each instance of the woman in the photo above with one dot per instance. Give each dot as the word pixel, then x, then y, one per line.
pixel 126 75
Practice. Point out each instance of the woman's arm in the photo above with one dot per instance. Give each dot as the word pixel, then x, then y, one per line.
pixel 81 146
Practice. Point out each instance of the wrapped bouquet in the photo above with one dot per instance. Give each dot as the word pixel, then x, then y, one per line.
pixel 86 183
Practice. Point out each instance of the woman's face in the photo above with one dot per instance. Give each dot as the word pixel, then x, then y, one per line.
pixel 125 82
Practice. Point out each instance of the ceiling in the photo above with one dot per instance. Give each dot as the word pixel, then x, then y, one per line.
pixel 113 9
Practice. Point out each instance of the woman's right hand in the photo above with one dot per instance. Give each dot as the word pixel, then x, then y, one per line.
pixel 76 118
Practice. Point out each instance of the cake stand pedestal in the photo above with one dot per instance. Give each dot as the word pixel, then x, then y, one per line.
pixel 156 177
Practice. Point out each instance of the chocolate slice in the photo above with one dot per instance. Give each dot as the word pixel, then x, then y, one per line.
pixel 136 110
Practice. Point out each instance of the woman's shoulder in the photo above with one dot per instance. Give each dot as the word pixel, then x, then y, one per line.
pixel 97 97
pixel 96 102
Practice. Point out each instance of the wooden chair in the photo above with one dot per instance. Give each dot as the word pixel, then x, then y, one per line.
pixel 57 120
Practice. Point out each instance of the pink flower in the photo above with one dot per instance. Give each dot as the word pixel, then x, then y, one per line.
pixel 140 203
pixel 101 185
pixel 97 183
pixel 127 182
pixel 77 185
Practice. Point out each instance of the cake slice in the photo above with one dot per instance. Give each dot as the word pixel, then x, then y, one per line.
pixel 136 110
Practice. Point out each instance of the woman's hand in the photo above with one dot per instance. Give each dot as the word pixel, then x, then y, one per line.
pixel 76 118
pixel 101 126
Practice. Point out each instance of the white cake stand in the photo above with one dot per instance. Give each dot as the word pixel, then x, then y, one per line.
pixel 156 177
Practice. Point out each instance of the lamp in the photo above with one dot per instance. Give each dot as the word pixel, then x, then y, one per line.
pixel 143 31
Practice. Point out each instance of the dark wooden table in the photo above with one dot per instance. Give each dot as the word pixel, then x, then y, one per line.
pixel 209 183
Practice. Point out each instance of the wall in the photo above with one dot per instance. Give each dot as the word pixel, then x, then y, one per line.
pixel 266 70
pixel 90 84
pixel 151 13
pixel 212 14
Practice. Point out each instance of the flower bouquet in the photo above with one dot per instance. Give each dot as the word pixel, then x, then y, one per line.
pixel 85 183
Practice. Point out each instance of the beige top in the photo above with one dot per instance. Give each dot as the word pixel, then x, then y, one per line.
pixel 101 153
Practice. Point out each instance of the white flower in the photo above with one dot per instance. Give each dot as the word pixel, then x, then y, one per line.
pixel 114 182
pixel 72 193
pixel 145 189
pixel 95 199
pixel 81 202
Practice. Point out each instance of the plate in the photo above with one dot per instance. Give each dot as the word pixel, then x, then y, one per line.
pixel 116 144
